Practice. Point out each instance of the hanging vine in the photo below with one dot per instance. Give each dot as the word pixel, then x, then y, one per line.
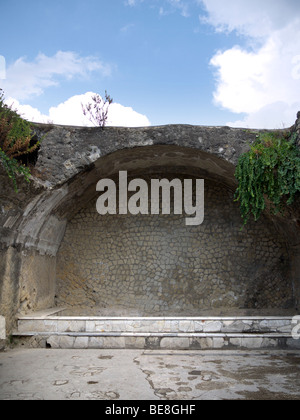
pixel 268 175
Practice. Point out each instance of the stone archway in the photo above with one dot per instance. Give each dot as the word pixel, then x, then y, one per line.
pixel 70 163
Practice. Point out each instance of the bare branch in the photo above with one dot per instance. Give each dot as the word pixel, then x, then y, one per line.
pixel 97 112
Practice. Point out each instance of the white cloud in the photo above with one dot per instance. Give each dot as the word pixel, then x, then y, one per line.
pixel 263 82
pixel 26 79
pixel 27 112
pixel 274 116
pixel 121 116
pixel 250 17
pixel 70 113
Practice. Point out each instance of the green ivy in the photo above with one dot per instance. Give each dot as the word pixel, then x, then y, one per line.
pixel 268 175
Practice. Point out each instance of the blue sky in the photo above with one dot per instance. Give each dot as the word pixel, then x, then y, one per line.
pixel 206 62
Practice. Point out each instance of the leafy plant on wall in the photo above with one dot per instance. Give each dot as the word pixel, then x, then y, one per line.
pixel 268 175
pixel 17 139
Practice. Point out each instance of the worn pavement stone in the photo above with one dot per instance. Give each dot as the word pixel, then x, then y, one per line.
pixel 149 375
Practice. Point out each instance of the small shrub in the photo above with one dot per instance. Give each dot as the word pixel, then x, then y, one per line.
pixel 17 139
pixel 97 112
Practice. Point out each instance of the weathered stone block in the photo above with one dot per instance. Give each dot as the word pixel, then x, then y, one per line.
pixel 114 343
pixel 219 343
pixel 186 326
pixel 2 328
pixel 175 343
pixel 61 342
pixel 81 343
pixel 152 343
pixel 199 326
pixel 71 326
pixel 35 325
pixel 134 342
pixel 270 343
pixel 236 326
pixel 276 325
pixel 96 343
pixel 252 343
pixel 237 342
pixel 293 344
pixel 213 326
pixel 203 343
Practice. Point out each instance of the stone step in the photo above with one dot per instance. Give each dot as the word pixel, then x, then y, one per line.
pixel 156 325
pixel 170 341
pixel 154 332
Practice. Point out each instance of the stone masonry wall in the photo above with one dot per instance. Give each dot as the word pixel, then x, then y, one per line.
pixel 156 265
pixel 70 162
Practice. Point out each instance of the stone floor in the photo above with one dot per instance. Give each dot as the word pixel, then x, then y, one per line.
pixel 38 374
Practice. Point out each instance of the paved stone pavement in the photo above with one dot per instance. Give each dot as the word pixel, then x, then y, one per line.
pixel 37 374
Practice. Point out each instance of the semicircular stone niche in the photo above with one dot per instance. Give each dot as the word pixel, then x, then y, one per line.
pixel 147 265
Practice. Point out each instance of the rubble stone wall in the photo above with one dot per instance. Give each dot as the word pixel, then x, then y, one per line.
pixel 156 265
